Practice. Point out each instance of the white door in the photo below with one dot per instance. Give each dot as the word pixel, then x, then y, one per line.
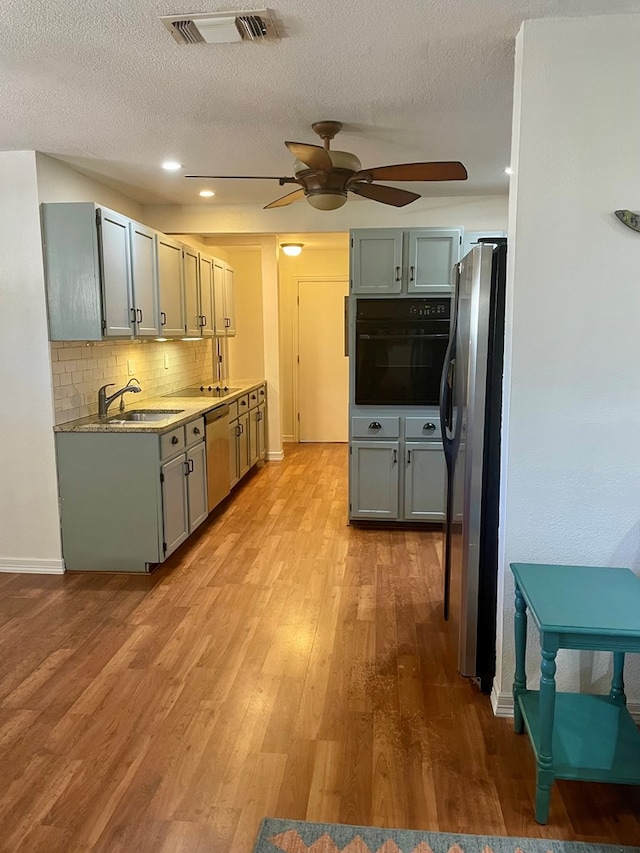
pixel 323 371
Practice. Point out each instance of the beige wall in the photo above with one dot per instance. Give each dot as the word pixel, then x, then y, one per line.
pixel 314 263
pixel 245 352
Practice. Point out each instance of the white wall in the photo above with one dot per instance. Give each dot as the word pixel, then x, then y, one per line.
pixel 29 528
pixel 571 448
pixel 472 212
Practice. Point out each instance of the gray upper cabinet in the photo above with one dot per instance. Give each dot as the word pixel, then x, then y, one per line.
pixel 229 300
pixel 224 298
pixel 170 287
pixel 115 260
pixel 207 310
pixel 191 282
pixel 376 261
pixel 432 254
pixel 392 261
pixel 144 274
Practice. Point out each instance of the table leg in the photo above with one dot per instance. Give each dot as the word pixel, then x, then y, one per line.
pixel 617 684
pixel 544 770
pixel 520 678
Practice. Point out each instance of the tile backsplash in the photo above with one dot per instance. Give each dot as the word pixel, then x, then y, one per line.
pixel 80 368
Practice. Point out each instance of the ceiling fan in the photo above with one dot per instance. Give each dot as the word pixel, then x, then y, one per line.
pixel 325 176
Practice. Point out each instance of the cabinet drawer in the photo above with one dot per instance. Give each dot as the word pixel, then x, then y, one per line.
pixel 243 404
pixel 372 427
pixel 194 431
pixel 254 398
pixel 172 442
pixel 423 427
pixel 262 394
pixel 233 410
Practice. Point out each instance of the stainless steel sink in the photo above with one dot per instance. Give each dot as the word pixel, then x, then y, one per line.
pixel 143 416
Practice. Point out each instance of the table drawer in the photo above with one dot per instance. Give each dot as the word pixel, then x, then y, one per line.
pixel 423 427
pixel 372 427
pixel 172 442
pixel 194 431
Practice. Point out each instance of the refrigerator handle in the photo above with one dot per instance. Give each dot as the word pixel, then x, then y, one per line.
pixel 446 388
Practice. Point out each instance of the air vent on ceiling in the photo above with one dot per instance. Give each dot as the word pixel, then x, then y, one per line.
pixel 220 27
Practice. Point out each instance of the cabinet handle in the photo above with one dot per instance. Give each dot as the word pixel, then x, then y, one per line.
pixel 243 402
pixel 262 392
pixel 375 425
pixel 227 323
pixel 412 273
pixel 397 273
pixel 174 440
pixel 408 457
pixel 139 311
pixel 239 430
pixel 187 470
pixel 253 397
pixel 203 320
pixel 133 315
pixel 395 457
pixel 429 426
pixel 191 465
pixel 163 318
pixel 196 430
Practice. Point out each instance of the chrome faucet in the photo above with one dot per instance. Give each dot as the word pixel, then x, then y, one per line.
pixel 104 402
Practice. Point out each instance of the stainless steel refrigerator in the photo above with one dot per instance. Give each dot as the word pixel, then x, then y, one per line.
pixel 470 408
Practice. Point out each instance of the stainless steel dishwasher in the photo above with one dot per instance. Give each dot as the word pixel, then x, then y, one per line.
pixel 217 437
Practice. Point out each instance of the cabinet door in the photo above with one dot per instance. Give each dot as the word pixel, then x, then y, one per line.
pixel 376 261
pixel 234 444
pixel 229 300
pixel 144 275
pixel 218 298
pixel 170 287
pixel 191 285
pixel 425 481
pixel 175 513
pixel 254 437
pixel 432 254
pixel 243 444
pixel 207 309
pixel 197 485
pixel 262 433
pixel 374 479
pixel 115 267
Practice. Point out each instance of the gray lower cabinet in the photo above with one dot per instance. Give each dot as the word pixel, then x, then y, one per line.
pixel 424 481
pixel 374 479
pixel 128 500
pixel 397 468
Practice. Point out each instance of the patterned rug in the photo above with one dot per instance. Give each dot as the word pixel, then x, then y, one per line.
pixel 293 836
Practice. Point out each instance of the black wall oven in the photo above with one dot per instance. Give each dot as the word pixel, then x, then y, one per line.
pixel 400 350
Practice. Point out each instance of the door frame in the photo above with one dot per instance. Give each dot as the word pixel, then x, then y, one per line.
pixel 296 344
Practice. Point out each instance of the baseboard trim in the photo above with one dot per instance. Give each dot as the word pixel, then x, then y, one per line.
pixel 288 439
pixel 32 567
pixel 275 456
pixel 502 704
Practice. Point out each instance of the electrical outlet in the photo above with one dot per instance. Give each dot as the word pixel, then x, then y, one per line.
pixel 131 368
pixel 166 361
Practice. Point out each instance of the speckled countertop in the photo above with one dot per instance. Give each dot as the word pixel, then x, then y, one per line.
pixel 184 410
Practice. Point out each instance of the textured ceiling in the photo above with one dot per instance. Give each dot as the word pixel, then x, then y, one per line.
pixel 104 86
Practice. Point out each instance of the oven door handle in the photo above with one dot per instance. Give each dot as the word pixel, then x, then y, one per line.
pixel 428 337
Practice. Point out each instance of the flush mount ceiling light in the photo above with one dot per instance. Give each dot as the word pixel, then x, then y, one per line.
pixel 324 176
pixel 207 193
pixel 171 165
pixel 292 249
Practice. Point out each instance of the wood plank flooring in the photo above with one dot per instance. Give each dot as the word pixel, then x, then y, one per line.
pixel 282 664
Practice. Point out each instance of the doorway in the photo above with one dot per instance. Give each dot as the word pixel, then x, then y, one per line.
pixel 323 367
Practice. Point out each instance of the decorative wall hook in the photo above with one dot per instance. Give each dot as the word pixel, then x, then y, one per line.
pixel 629 218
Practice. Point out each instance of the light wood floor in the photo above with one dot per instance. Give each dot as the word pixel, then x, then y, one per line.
pixel 282 664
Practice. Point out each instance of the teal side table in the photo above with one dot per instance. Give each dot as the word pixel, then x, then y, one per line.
pixel 577 735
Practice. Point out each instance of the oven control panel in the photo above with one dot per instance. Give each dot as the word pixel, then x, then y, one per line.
pixel 399 309
pixel 438 310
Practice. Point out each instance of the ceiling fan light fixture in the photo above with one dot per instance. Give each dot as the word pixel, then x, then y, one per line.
pixel 327 200
pixel 291 249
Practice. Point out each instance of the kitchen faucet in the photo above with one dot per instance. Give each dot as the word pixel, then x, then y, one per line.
pixel 104 402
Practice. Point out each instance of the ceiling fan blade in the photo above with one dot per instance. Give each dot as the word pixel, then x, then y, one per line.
pixel 246 178
pixel 446 171
pixel 387 195
pixel 313 156
pixel 285 199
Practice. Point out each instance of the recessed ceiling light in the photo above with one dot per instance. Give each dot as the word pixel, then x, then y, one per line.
pixel 508 170
pixel 171 165
pixel 206 193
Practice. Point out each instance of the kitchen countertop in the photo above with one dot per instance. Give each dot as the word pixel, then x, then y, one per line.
pixel 191 407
